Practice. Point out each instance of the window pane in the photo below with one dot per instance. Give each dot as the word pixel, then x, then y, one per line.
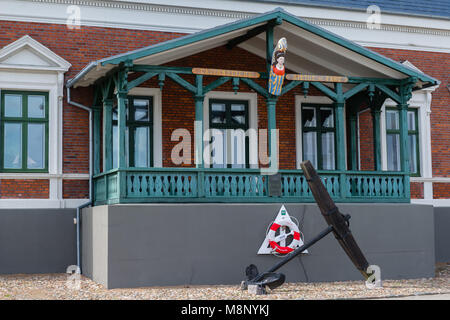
pixel 310 147
pixel 115 114
pixel 238 148
pixel 326 117
pixel 115 148
pixel 36 106
pixel 12 146
pixel 411 120
pixel 218 114
pixel 238 107
pixel 393 152
pixel 141 110
pixel 36 146
pixel 238 118
pixel 141 147
pixel 13 105
pixel 218 148
pixel 309 117
pixel 328 162
pixel 412 153
pixel 392 120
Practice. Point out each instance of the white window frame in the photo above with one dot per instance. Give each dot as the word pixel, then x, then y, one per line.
pixel 155 93
pixel 299 100
pixel 252 99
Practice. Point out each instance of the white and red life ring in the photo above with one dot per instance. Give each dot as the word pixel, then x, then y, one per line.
pixel 273 240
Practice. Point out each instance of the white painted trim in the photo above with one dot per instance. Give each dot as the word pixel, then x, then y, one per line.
pixel 157 120
pixel 433 202
pixel 433 179
pixel 40 203
pixel 298 121
pixel 44 176
pixel 252 99
pixel 59 64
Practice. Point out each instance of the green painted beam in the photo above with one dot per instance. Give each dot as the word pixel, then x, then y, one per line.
pixel 215 84
pixel 349 93
pixel 250 34
pixel 385 81
pixel 253 85
pixel 159 69
pixel 327 91
pixel 391 94
pixel 179 80
pixel 138 81
pixel 291 85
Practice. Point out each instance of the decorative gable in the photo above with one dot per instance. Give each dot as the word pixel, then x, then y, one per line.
pixel 26 53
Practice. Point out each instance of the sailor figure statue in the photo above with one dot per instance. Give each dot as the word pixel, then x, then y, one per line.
pixel 277 69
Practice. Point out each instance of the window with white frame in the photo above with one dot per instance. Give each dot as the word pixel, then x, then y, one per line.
pixel 24 131
pixel 228 122
pixel 319 135
pixel 393 140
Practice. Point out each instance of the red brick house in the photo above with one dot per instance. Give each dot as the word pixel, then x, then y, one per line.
pixel 62 65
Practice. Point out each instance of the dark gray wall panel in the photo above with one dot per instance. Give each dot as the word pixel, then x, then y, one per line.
pixel 37 240
pixel 175 244
pixel 442 233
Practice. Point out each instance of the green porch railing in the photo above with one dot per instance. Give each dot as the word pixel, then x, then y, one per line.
pixel 141 185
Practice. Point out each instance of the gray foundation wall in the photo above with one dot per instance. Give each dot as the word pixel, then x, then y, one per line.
pixel 37 240
pixel 178 244
pixel 442 233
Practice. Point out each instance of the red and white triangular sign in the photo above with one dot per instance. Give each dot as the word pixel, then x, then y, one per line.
pixel 274 243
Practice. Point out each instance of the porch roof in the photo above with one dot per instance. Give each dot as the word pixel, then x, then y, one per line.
pixel 311 50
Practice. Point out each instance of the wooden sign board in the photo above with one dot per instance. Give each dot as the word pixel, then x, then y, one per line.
pixel 225 73
pixel 313 78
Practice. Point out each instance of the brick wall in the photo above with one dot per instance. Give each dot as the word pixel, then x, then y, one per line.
pixel 24 189
pixel 75 189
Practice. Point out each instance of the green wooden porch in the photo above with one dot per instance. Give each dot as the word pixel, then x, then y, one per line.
pixel 123 184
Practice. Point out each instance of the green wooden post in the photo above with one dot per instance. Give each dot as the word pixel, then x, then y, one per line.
pixel 340 129
pixel 405 95
pixel 353 122
pixel 107 135
pixel 96 137
pixel 271 127
pixel 269 47
pixel 122 93
pixel 340 137
pixel 376 137
pixel 199 99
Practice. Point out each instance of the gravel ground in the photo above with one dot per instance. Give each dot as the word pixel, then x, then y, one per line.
pixel 54 286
